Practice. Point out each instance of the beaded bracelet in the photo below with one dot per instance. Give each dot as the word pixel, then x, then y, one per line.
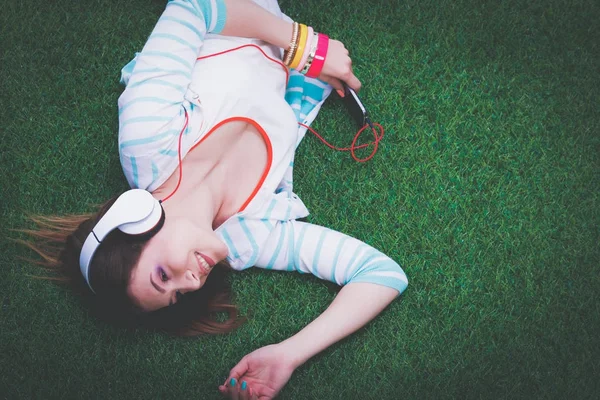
pixel 300 47
pixel 288 54
pixel 319 59
pixel 307 49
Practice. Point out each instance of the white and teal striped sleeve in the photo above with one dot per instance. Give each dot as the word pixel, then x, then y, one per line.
pixel 152 108
pixel 329 255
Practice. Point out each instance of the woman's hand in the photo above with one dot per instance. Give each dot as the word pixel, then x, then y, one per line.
pixel 264 371
pixel 338 67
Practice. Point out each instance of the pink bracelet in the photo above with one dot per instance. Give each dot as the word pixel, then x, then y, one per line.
pixel 306 49
pixel 319 60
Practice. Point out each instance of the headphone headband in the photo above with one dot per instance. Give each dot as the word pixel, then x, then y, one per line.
pixel 135 212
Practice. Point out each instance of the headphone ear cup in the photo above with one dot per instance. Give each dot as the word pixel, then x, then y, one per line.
pixel 135 212
pixel 147 224
pixel 154 230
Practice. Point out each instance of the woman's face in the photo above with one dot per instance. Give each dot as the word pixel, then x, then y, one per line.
pixel 175 261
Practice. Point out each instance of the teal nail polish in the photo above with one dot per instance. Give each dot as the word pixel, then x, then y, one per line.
pixel 232 382
pixel 244 385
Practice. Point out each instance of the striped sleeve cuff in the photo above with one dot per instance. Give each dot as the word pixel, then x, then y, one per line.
pixel 221 17
pixel 215 14
pixel 396 281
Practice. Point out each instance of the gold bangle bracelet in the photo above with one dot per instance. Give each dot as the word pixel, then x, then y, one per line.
pixel 303 36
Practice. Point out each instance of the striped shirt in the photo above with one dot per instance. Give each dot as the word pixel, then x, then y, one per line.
pixel 173 79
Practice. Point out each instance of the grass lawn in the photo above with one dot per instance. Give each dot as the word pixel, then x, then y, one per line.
pixel 486 189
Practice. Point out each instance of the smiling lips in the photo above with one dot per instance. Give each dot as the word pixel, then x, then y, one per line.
pixel 204 263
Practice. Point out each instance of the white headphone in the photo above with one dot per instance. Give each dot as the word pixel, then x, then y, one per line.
pixel 135 212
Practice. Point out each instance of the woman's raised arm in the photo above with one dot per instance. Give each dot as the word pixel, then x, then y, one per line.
pixel 156 102
pixel 248 19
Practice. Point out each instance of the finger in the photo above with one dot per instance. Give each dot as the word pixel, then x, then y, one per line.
pixel 244 393
pixel 236 395
pixel 334 82
pixel 239 370
pixel 251 394
pixel 234 390
pixel 353 82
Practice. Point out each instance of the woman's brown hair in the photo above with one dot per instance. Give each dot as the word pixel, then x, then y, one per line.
pixel 58 241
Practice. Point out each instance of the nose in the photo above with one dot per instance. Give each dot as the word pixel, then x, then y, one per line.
pixel 190 282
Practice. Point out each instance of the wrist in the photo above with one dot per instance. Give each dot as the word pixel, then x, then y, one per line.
pixel 293 353
pixel 277 33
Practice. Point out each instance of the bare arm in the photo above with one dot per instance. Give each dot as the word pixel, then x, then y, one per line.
pixel 247 19
pixel 354 306
pixel 263 373
pixel 371 281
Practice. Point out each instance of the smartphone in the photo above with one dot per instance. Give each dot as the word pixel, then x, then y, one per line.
pixel 355 107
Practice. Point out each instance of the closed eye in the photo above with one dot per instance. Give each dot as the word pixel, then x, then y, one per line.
pixel 162 274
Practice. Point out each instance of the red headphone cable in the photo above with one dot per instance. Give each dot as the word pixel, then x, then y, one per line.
pixel 353 147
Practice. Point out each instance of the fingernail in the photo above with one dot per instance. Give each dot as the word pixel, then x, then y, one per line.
pixel 340 92
pixel 244 385
pixel 232 382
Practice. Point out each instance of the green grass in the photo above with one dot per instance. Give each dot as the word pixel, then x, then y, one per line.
pixel 486 189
